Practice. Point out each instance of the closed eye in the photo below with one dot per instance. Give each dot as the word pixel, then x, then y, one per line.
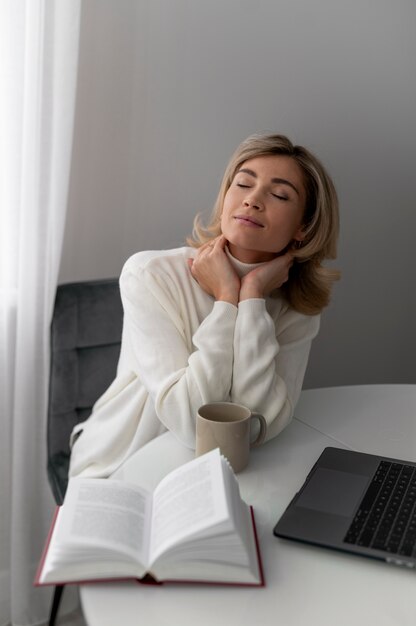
pixel 279 197
pixel 241 185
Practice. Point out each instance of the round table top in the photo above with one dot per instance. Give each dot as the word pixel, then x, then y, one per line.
pixel 304 584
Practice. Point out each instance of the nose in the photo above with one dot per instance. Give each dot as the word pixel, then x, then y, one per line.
pixel 253 200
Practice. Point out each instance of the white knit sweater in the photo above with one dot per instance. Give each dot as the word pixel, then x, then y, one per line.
pixel 181 349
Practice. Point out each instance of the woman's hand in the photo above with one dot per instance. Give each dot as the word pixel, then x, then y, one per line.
pixel 214 273
pixel 260 282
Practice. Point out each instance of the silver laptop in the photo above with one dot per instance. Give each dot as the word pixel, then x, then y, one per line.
pixel 358 503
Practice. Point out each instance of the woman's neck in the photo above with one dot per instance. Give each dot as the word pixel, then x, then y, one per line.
pixel 240 267
pixel 250 256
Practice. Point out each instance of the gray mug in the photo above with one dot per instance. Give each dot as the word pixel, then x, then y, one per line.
pixel 226 425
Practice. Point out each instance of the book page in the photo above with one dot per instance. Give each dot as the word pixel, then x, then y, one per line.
pixel 190 500
pixel 109 514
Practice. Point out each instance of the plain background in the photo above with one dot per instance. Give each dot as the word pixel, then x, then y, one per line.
pixel 168 88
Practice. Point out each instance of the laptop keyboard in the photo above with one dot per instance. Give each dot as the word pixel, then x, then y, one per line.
pixel 386 517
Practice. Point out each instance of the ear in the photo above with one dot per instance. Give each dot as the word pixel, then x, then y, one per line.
pixel 300 234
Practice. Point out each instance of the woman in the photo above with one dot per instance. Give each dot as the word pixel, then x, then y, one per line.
pixel 230 317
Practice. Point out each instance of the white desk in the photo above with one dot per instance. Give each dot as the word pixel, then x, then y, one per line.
pixel 305 585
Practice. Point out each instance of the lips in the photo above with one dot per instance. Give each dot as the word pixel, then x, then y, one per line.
pixel 247 220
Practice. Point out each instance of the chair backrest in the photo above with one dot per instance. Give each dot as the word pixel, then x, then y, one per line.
pixel 85 345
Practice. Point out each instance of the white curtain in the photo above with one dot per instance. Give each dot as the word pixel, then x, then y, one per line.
pixel 38 62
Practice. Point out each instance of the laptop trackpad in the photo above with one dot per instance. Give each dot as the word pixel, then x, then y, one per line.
pixel 332 491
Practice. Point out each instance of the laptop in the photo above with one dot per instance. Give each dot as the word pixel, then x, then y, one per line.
pixel 357 503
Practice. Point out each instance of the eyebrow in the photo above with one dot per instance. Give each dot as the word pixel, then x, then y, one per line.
pixel 279 181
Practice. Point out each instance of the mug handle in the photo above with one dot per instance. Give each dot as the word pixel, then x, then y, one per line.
pixel 263 429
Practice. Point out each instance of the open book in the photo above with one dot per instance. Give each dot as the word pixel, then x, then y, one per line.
pixel 194 527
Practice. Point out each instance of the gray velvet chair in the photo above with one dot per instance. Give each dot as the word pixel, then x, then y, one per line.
pixel 85 345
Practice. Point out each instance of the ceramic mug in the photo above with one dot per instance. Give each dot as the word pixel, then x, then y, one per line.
pixel 226 425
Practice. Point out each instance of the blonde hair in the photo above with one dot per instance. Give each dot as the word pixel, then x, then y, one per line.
pixel 309 286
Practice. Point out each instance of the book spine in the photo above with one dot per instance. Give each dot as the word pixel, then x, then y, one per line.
pixel 45 549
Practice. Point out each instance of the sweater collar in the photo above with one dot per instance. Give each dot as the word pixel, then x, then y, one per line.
pixel 241 268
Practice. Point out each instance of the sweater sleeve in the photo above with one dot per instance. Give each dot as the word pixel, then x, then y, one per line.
pixel 270 361
pixel 179 371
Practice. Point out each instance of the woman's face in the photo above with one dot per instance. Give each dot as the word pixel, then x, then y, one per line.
pixel 263 208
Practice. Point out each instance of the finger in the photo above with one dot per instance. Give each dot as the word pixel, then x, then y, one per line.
pixel 289 255
pixel 202 250
pixel 288 259
pixel 220 241
pixel 190 263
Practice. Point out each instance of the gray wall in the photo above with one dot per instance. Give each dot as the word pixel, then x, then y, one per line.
pixel 168 88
